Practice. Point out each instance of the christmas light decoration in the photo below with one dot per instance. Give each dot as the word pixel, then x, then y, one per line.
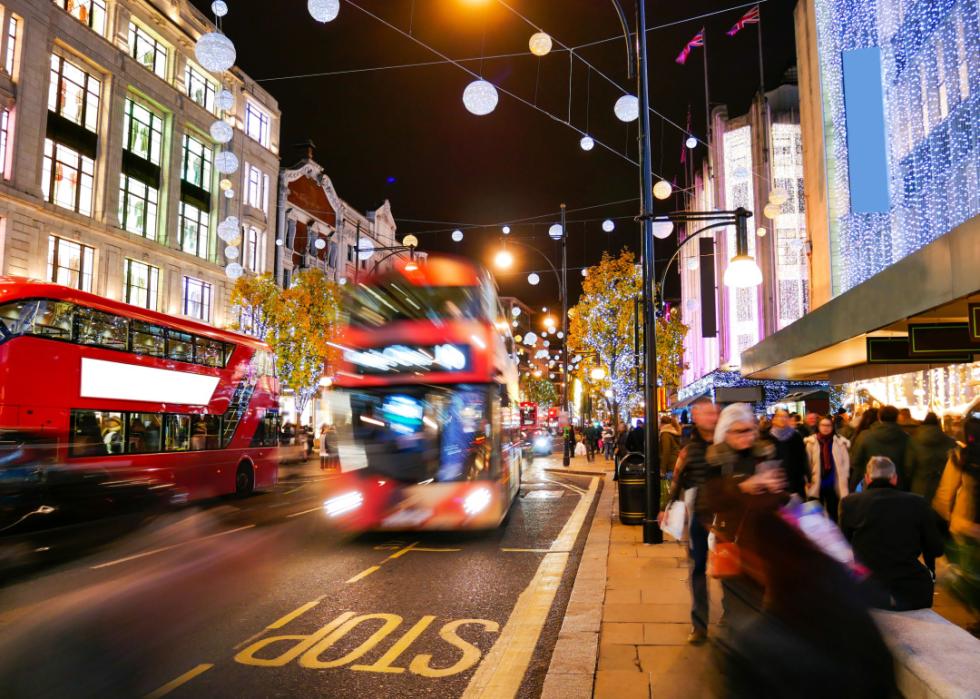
pixel 480 97
pixel 320 243
pixel 323 10
pixel 229 193
pixel 662 189
pixel 691 142
pixel 234 270
pixel 228 229
pixel 221 131
pixel 224 185
pixel 627 108
pixel 662 227
pixel 365 249
pixel 515 311
pixel 219 8
pixel 533 279
pixel 410 241
pixel 608 225
pixel 226 162
pixel 225 100
pixel 231 252
pixel 457 235
pixel 215 52
pixel 587 143
pixel 585 272
pixel 540 44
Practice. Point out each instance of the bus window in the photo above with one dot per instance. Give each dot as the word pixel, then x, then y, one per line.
pixel 15 317
pixel 101 329
pixel 96 432
pixel 208 352
pixel 180 346
pixel 205 432
pixel 147 339
pixel 53 319
pixel 143 433
pixel 177 432
pixel 267 430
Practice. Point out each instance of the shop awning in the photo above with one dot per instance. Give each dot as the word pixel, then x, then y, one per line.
pixel 936 284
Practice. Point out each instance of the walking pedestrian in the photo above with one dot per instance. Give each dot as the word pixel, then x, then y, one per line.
pixel 670 444
pixel 883 438
pixel 928 451
pixel 830 467
pixel 608 440
pixel 791 451
pixel 692 471
pixel 867 419
pixel 324 448
pixel 636 439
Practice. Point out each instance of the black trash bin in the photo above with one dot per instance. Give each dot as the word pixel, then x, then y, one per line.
pixel 632 489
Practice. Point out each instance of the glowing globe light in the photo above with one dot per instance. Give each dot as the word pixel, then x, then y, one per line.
pixel 225 100
pixel 514 323
pixel 219 8
pixel 279 242
pixel 608 225
pixel 226 162
pixel 320 243
pixel 662 228
pixel 234 270
pixel 215 52
pixel 533 279
pixel 515 311
pixel 221 132
pixel 761 232
pixel 540 44
pixel 555 232
pixel 228 228
pixel 231 252
pixel 530 338
pixel 323 10
pixel 547 343
pixel 587 143
pixel 772 210
pixel 598 374
pixel 662 189
pixel 503 259
pixel 410 241
pixel 225 185
pixel 585 272
pixel 229 193
pixel 480 98
pixel 560 334
pixel 365 249
pixel 627 108
pixel 742 273
pixel 691 142
pixel 342 281
pixel 506 230
pixel 457 235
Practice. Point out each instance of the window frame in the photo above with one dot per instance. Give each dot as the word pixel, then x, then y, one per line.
pixel 150 199
pixel 206 289
pixel 254 114
pixel 210 97
pixel 84 166
pixel 91 104
pixel 202 222
pixel 86 263
pixel 136 34
pixel 96 7
pixel 12 32
pixel 205 167
pixel 152 284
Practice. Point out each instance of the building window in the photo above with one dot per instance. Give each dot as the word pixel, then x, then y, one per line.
pixel 70 263
pixel 10 57
pixel 67 177
pixel 253 251
pixel 197 299
pixel 143 131
pixel 89 12
pixel 193 230
pixel 147 50
pixel 137 207
pixel 257 124
pixel 141 282
pixel 196 168
pixel 199 88
pixel 4 140
pixel 73 93
pixel 256 188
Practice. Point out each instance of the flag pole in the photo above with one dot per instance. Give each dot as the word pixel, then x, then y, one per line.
pixel 764 103
pixel 707 100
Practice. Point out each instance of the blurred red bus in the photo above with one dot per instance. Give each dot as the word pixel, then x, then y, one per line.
pixel 139 393
pixel 430 378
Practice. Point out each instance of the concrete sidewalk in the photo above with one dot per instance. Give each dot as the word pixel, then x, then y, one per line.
pixel 626 626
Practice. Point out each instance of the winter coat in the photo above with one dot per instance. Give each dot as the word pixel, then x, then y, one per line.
pixel 692 471
pixel 791 451
pixel 956 496
pixel 889 530
pixel 670 447
pixel 842 464
pixel 927 454
pixel 635 440
pixel 881 439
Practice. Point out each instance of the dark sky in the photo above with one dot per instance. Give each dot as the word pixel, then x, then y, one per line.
pixel 447 165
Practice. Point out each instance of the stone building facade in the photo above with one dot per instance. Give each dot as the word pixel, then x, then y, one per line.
pixel 109 182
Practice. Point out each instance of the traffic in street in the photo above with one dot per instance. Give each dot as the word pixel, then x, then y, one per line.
pixel 259 597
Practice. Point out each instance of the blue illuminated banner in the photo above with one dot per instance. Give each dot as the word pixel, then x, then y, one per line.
pixel 864 109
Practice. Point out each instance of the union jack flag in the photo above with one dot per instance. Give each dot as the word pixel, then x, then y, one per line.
pixel 698 40
pixel 750 17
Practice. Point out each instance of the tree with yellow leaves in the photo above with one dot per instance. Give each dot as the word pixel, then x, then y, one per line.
pixel 299 323
pixel 603 331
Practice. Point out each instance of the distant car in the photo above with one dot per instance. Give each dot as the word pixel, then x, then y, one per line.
pixel 542 443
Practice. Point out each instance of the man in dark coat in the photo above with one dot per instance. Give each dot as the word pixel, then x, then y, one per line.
pixel 883 438
pixel 791 451
pixel 889 530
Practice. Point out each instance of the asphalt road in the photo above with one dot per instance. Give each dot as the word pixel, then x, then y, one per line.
pixel 257 598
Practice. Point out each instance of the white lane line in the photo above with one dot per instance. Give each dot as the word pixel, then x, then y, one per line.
pixel 305 512
pixel 569 486
pixel 153 552
pixel 500 674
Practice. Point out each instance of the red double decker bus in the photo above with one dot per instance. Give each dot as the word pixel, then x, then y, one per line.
pixel 139 393
pixel 429 383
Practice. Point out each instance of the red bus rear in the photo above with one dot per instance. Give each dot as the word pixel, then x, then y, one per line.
pixel 429 385
pixel 137 392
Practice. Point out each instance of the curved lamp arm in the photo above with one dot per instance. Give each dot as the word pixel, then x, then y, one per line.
pixel 554 269
pixel 694 235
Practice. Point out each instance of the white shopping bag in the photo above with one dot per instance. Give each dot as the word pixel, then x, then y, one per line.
pixel 675 520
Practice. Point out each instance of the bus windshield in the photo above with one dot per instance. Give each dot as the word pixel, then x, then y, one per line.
pixel 393 300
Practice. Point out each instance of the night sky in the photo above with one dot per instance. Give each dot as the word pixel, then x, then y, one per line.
pixel 403 134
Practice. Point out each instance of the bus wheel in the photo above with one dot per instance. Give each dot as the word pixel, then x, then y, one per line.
pixel 244 480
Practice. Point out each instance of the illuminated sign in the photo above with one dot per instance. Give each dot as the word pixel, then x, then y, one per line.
pixel 120 381
pixel 401 359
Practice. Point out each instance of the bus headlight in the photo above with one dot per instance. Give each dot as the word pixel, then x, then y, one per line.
pixel 342 504
pixel 477 501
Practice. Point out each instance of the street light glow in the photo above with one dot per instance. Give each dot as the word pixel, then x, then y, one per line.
pixel 742 272
pixel 504 259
